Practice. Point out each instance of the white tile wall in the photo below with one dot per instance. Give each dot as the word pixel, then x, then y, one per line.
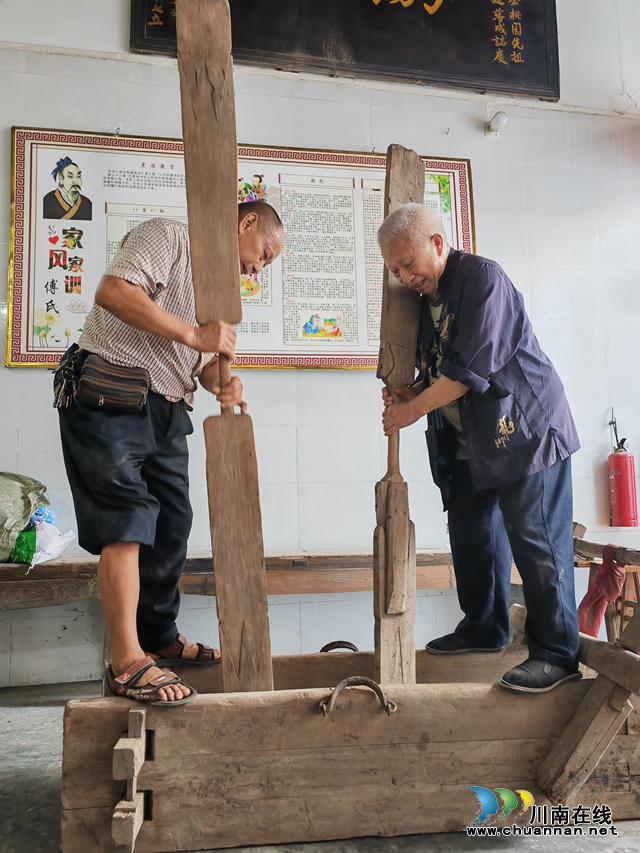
pixel 557 202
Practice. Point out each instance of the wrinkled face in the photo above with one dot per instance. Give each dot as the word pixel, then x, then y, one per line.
pixel 257 248
pixel 70 179
pixel 417 266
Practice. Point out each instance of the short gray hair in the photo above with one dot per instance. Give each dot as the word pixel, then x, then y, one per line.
pixel 414 221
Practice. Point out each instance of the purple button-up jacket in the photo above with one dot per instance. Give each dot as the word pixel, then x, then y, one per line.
pixel 515 416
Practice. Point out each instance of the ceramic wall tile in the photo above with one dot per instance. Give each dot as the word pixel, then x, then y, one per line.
pixel 588 28
pixel 437 614
pixel 574 244
pixel 48 104
pixel 195 624
pixel 276 449
pixel 608 144
pixel 284 625
pixel 466 137
pixel 620 246
pixel 408 98
pixel 12 59
pixel 588 394
pixel 55 649
pixel 567 294
pixel 425 509
pixel 563 192
pixel 544 141
pixel 414 458
pixel 149 74
pixel 149 110
pixel 59 65
pixel 507 186
pixel 622 291
pixel 424 131
pixel 336 516
pixel 334 125
pixel 324 622
pixel 39 456
pixel 200 537
pixel 342 453
pixel 249 80
pixel 196 602
pixel 572 346
pixel 274 124
pixel 279 502
pixel 338 397
pixel 631 144
pixel 617 193
pixel 9 383
pixel 271 394
pixel 88 26
pixel 12 112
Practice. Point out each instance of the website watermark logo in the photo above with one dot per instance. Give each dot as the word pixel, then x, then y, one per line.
pixel 542 820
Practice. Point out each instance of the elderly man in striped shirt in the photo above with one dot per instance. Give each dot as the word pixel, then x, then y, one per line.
pixel 128 469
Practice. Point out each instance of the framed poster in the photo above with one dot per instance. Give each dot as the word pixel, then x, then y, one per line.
pixel 506 46
pixel 76 195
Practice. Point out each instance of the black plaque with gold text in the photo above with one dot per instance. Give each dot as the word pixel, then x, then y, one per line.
pixel 508 46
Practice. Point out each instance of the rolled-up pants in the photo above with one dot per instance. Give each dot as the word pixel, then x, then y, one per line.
pixel 129 479
pixel 529 522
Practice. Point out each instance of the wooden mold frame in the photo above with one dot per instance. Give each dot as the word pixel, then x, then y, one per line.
pixel 270 768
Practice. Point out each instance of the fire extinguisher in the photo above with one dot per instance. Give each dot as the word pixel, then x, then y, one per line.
pixel 622 483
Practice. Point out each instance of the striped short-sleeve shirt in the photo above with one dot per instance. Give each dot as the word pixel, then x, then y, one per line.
pixel 154 256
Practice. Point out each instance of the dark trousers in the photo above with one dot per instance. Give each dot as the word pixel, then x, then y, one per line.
pixel 531 521
pixel 129 479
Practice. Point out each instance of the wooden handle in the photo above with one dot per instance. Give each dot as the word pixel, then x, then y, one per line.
pixel 224 366
pixel 393 457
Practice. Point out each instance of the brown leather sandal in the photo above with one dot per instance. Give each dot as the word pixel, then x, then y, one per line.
pixel 148 694
pixel 172 655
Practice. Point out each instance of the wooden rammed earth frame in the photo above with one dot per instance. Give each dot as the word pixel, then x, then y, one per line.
pixel 21 353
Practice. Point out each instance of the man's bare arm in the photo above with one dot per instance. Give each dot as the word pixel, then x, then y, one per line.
pixel 130 303
pixel 443 391
pixel 411 408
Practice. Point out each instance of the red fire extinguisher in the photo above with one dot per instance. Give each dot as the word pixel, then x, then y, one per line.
pixel 622 483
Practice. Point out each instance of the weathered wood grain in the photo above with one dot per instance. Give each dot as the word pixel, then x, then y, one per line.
pixel 400 316
pixel 209 130
pixel 236 534
pixel 584 741
pixel 619 665
pixel 210 155
pixel 394 564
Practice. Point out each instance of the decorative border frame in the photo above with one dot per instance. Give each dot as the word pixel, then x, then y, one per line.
pixel 19 251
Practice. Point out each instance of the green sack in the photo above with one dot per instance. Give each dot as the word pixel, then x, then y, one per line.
pixel 19 499
pixel 25 547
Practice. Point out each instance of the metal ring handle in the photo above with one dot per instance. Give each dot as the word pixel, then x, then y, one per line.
pixel 326 706
pixel 339 644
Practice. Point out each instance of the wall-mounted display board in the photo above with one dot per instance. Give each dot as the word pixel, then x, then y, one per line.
pixel 76 195
pixel 485 45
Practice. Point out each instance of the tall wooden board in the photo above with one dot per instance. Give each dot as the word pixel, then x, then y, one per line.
pixel 394 569
pixel 209 130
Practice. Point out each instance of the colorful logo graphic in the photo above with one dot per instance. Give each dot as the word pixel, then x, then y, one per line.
pixel 489 805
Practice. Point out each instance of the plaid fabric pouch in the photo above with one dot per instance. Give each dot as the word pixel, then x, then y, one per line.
pixel 111 388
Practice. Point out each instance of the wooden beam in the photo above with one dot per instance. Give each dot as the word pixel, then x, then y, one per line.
pixel 394 544
pixel 617 664
pixel 584 741
pixel 594 550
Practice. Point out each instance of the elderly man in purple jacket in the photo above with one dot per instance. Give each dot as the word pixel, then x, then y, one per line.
pixel 500 437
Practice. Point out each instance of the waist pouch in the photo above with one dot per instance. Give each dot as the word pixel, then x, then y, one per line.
pixel 111 388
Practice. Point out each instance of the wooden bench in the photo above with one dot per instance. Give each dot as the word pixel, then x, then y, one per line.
pixel 75 578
